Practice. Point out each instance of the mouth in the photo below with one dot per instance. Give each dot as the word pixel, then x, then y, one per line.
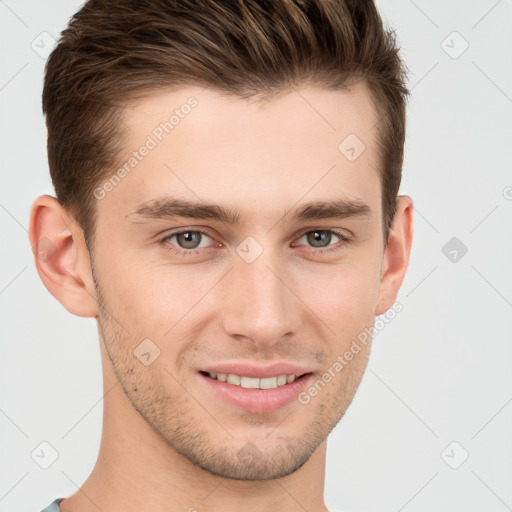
pixel 252 393
pixel 254 382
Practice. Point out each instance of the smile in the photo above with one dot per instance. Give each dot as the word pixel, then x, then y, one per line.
pixel 254 394
pixel 254 382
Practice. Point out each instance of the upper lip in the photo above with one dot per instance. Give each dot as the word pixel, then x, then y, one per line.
pixel 261 371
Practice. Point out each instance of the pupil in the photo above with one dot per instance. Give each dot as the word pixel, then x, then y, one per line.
pixel 319 236
pixel 188 239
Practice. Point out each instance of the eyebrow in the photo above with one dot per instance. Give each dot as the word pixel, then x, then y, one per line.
pixel 167 208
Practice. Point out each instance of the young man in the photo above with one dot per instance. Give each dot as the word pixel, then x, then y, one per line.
pixel 226 177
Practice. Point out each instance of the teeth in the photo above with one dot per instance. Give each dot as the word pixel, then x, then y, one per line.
pixel 254 382
pixel 250 382
pixel 268 383
pixel 234 379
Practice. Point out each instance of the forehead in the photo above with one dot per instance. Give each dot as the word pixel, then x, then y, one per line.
pixel 206 145
pixel 216 117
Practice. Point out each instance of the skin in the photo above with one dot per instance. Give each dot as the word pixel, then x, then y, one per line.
pixel 167 442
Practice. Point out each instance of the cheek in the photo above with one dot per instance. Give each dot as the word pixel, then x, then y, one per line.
pixel 133 295
pixel 153 299
pixel 344 294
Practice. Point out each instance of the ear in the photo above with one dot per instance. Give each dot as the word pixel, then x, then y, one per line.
pixel 61 256
pixel 396 254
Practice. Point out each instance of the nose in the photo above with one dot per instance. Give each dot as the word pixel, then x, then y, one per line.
pixel 260 304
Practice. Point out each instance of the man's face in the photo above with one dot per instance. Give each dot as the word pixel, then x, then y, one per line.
pixel 272 294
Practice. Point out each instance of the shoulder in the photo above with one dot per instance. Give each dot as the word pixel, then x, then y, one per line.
pixel 54 506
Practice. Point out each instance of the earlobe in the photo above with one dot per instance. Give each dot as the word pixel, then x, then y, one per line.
pixel 61 256
pixel 396 254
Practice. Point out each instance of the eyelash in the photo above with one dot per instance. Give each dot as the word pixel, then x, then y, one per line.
pixel 191 252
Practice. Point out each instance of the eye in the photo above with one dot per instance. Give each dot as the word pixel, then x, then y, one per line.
pixel 185 242
pixel 190 242
pixel 322 238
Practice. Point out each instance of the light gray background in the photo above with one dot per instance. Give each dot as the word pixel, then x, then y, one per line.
pixel 439 372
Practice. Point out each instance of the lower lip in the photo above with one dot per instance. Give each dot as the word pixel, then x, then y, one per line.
pixel 257 400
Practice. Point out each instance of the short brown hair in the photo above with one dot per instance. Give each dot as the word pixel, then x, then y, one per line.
pixel 115 50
